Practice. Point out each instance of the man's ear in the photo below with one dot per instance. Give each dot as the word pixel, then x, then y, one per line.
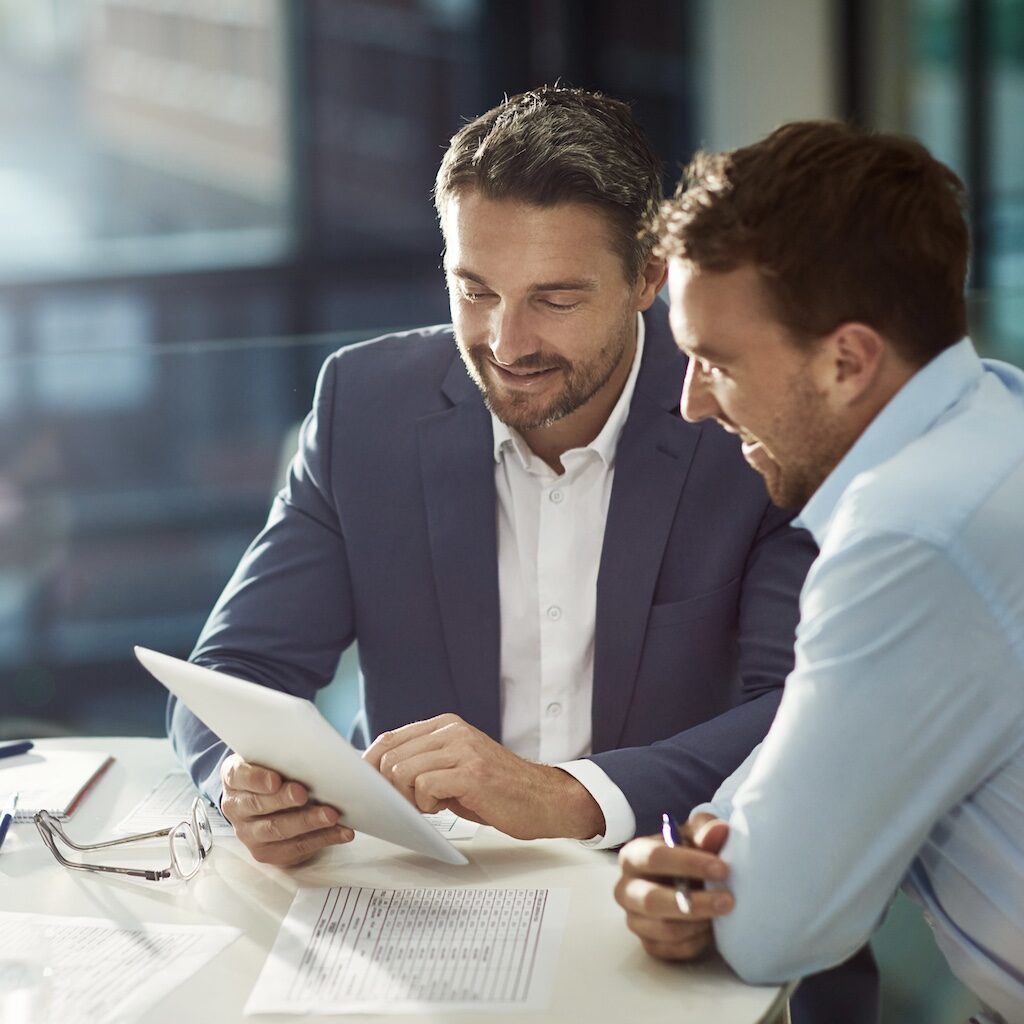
pixel 649 282
pixel 854 357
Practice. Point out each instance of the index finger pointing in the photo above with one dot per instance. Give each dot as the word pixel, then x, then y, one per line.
pixel 396 737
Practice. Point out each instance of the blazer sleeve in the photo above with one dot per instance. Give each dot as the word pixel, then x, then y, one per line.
pixel 286 614
pixel 678 773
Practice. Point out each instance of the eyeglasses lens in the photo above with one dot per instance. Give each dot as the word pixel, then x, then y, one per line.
pixel 205 828
pixel 185 851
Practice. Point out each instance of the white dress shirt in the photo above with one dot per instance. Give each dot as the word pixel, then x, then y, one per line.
pixel 897 755
pixel 550 535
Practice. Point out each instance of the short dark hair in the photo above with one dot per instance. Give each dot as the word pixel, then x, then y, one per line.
pixel 556 145
pixel 843 225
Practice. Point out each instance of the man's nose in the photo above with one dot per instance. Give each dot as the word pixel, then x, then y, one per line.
pixel 511 338
pixel 698 401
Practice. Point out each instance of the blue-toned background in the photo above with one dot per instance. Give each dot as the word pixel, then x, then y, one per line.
pixel 198 201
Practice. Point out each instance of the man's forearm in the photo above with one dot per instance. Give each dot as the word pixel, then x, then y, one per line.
pixel 200 751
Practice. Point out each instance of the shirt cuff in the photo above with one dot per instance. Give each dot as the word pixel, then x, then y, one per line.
pixel 619 819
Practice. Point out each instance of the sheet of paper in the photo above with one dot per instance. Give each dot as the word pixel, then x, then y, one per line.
pixel 80 970
pixel 451 826
pixel 170 801
pixel 51 779
pixel 361 950
pixel 167 803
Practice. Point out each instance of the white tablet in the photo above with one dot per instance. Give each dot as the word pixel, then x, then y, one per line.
pixel 290 736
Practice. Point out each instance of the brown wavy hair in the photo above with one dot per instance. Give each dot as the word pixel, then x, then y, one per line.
pixel 557 144
pixel 843 224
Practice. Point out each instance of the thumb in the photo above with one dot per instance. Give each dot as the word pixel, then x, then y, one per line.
pixel 710 834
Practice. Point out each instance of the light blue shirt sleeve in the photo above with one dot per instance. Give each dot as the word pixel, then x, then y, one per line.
pixel 720 805
pixel 902 701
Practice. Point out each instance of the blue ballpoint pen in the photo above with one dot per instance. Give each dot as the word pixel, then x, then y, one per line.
pixel 13 749
pixel 5 821
pixel 672 838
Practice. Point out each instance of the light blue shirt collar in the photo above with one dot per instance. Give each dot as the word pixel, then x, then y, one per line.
pixel 936 387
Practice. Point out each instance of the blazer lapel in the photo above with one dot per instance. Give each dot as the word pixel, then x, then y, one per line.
pixel 652 461
pixel 457 466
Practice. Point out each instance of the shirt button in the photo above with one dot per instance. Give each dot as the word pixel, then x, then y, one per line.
pixel 554 613
pixel 554 710
pixel 556 497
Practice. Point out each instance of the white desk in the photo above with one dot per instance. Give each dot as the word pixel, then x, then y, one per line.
pixel 603 975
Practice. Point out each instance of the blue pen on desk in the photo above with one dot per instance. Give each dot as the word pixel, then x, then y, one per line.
pixel 672 838
pixel 5 821
pixel 14 749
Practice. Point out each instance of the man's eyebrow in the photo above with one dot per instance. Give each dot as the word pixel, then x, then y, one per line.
pixel 582 284
pixel 468 275
pixel 698 350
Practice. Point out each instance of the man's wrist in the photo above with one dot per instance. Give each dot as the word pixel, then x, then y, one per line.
pixel 581 817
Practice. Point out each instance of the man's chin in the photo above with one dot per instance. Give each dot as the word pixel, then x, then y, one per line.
pixel 523 415
pixel 782 491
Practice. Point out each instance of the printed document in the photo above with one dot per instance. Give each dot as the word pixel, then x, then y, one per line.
pixel 167 803
pixel 451 826
pixel 364 950
pixel 170 801
pixel 80 970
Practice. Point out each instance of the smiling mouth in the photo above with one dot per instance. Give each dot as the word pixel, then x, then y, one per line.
pixel 514 376
pixel 744 435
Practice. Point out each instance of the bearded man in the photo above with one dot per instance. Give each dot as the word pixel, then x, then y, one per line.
pixel 574 610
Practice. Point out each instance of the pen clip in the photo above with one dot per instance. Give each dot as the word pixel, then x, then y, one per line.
pixel 670 831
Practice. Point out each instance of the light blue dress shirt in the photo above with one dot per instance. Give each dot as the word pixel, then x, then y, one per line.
pixel 897 756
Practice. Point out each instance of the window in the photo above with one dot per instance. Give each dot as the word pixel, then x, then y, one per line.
pixel 141 135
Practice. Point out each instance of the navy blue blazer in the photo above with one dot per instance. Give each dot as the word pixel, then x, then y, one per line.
pixel 386 532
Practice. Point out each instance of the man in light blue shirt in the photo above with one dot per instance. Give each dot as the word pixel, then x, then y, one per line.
pixel 816 280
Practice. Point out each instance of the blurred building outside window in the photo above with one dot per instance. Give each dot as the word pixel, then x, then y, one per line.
pixel 1006 231
pixel 142 135
pixel 963 89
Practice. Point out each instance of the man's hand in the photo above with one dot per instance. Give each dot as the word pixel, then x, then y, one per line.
pixel 444 763
pixel 646 889
pixel 275 818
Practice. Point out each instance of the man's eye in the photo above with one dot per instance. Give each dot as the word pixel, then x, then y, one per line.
pixel 562 307
pixel 474 296
pixel 709 369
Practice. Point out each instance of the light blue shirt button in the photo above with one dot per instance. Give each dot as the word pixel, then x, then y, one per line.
pixel 554 613
pixel 556 497
pixel 554 709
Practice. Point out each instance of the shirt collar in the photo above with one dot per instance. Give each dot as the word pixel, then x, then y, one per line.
pixel 508 439
pixel 912 411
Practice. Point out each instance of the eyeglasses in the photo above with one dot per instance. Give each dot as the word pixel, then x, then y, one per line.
pixel 189 841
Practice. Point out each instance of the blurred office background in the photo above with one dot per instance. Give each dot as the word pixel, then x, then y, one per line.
pixel 199 201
